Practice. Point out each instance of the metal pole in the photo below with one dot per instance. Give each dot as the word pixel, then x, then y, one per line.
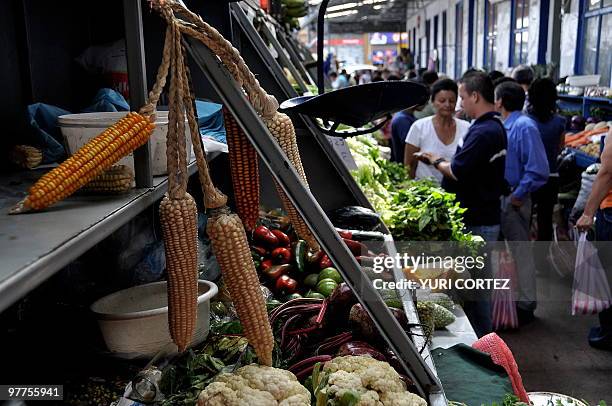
pixel 320 39
pixel 137 77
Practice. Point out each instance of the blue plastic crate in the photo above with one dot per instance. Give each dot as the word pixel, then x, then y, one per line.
pixel 583 160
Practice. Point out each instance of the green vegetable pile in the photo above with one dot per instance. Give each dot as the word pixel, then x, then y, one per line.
pixel 413 210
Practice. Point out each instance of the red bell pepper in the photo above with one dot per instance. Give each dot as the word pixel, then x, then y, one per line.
pixel 345 233
pixel 325 262
pixel 356 247
pixel 276 271
pixel 285 285
pixel 265 264
pixel 283 239
pixel 264 236
pixel 281 255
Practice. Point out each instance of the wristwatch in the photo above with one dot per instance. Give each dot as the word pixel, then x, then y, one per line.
pixel 437 162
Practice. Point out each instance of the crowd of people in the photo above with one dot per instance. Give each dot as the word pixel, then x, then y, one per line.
pixel 494 140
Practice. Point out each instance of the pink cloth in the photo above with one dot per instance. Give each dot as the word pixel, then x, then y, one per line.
pixel 501 355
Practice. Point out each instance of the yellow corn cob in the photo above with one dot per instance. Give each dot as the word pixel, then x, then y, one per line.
pixel 117 179
pixel 244 170
pixel 282 130
pixel 26 156
pixel 230 246
pixel 90 160
pixel 178 218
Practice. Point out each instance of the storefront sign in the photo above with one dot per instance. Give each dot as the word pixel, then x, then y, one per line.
pixel 385 38
pixel 344 41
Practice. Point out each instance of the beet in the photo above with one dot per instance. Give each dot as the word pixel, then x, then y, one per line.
pixel 360 348
pixel 340 303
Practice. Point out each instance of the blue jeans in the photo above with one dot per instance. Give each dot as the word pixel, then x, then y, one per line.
pixel 479 311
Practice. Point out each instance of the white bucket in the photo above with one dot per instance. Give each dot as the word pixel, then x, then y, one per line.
pixel 78 129
pixel 134 321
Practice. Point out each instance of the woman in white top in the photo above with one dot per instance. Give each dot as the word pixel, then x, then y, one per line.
pixel 440 133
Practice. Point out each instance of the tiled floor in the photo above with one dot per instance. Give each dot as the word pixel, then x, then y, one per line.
pixel 553 353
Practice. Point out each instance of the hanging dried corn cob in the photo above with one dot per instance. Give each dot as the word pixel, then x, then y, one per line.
pixel 117 179
pixel 266 105
pixel 26 156
pixel 281 128
pixel 178 215
pixel 244 170
pixel 230 246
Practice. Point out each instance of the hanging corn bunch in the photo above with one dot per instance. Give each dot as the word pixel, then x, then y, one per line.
pixel 225 230
pixel 244 170
pixel 280 125
pixel 178 212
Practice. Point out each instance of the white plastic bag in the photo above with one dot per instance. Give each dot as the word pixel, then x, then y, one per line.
pixel 503 302
pixel 591 291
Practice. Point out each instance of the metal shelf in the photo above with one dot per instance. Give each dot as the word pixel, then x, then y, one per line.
pixel 35 246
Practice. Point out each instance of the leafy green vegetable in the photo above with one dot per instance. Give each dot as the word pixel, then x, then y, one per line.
pixel 414 210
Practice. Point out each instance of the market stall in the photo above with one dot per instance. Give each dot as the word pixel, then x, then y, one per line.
pixel 395 333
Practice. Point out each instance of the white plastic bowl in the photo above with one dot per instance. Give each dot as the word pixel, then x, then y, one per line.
pixel 78 129
pixel 134 321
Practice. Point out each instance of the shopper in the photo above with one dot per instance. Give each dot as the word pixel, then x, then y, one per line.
pixel 400 125
pixel 526 171
pixel 543 106
pixel 365 77
pixel 338 81
pixel 440 133
pixel 428 78
pixel 524 75
pixel 495 74
pixel 476 175
pixel 600 203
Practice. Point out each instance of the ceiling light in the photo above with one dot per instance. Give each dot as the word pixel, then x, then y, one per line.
pixel 341 14
pixel 342 7
pixel 377 7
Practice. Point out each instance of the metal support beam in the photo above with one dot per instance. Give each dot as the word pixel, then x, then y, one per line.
pixel 284 59
pixel 137 77
pixel 295 57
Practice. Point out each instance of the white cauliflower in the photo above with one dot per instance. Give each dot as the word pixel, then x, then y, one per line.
pixel 362 381
pixel 255 385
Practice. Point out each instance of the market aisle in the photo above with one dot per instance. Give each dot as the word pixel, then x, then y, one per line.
pixel 553 353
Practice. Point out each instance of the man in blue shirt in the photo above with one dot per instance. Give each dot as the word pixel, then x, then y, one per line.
pixel 476 176
pixel 526 171
pixel 400 125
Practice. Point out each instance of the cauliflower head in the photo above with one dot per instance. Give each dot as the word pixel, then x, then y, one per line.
pixel 366 380
pixel 255 385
